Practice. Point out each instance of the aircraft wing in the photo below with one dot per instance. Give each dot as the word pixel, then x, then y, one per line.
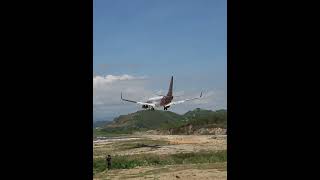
pixel 137 102
pixel 182 101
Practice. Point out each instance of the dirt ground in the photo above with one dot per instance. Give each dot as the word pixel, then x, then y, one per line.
pixel 176 144
pixel 173 144
pixel 216 171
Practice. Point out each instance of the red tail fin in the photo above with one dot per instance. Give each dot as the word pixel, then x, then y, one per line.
pixel 170 87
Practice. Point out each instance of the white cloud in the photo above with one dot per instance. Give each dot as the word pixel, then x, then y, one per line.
pixel 98 80
pixel 106 94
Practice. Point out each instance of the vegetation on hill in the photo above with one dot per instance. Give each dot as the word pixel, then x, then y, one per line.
pixel 207 118
pixel 165 120
pixel 204 121
pixel 142 121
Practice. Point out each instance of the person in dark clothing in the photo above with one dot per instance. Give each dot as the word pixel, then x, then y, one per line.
pixel 108 159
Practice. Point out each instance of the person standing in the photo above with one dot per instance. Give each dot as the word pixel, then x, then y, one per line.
pixel 108 160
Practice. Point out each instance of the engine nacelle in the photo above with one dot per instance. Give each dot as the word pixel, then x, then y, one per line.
pixel 145 106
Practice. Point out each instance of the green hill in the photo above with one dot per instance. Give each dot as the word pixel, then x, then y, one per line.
pixel 144 120
pixel 199 119
pixel 165 120
pixel 97 124
pixel 207 118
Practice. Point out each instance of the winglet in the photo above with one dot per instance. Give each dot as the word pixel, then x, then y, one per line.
pixel 121 95
pixel 201 94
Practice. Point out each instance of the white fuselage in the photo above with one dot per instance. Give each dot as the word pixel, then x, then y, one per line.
pixel 155 100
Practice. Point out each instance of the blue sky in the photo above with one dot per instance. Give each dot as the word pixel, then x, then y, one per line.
pixel 160 38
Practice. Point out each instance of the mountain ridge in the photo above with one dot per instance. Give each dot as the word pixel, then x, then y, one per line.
pixel 167 121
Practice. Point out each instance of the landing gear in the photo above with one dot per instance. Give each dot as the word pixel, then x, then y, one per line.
pixel 152 109
pixel 166 108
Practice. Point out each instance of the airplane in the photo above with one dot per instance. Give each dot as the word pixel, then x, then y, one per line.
pixel 164 101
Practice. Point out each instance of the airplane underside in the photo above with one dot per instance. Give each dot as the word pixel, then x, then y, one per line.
pixel 152 108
